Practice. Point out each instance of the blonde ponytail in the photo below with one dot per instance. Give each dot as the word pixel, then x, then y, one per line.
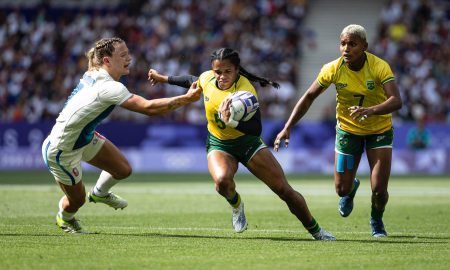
pixel 90 56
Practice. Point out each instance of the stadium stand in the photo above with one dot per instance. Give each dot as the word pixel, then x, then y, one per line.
pixel 43 45
pixel 414 37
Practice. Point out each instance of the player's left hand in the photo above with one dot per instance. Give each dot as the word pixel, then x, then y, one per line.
pixel 194 92
pixel 360 113
pixel 155 77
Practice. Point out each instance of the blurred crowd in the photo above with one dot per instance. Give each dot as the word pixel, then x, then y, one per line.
pixel 414 37
pixel 43 46
pixel 43 50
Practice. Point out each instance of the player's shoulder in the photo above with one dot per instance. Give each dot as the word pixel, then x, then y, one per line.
pixel 205 78
pixel 244 84
pixel 113 85
pixel 106 84
pixel 207 75
pixel 334 65
pixel 375 61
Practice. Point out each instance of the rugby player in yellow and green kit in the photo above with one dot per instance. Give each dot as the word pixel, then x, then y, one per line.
pixel 366 95
pixel 231 142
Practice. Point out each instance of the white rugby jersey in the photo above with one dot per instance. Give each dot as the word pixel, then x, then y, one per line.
pixel 90 102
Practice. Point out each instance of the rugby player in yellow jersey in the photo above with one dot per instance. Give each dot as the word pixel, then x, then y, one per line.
pixel 230 142
pixel 366 96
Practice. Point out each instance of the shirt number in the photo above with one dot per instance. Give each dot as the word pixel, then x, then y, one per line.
pixel 220 124
pixel 361 99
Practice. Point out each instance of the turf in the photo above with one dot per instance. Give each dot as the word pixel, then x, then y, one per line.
pixel 179 222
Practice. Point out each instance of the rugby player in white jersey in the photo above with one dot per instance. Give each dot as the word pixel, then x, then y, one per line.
pixel 73 137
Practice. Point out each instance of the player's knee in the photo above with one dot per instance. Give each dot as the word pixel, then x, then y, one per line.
pixel 223 184
pixel 124 172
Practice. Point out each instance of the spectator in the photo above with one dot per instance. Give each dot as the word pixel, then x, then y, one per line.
pixel 419 136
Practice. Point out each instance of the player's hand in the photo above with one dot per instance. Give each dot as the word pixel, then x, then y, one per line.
pixel 360 113
pixel 155 77
pixel 194 92
pixel 283 135
pixel 226 113
pixel 225 110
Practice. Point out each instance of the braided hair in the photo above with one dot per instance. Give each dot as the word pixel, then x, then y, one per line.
pixel 103 47
pixel 233 57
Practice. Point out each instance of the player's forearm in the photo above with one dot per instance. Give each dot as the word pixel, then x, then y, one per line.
pixel 164 105
pixel 182 81
pixel 392 104
pixel 299 111
pixel 252 126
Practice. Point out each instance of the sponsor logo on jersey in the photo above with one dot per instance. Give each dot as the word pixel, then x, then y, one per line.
pixel 370 84
pixel 340 86
pixel 206 98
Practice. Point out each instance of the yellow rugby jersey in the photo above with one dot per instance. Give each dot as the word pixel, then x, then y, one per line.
pixel 358 88
pixel 213 96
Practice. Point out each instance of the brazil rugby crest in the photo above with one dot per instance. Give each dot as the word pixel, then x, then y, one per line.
pixel 370 85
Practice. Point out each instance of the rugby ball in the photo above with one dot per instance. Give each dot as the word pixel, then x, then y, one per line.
pixel 244 104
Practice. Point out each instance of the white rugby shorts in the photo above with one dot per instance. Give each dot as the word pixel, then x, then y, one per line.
pixel 65 166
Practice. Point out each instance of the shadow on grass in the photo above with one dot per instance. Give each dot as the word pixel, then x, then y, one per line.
pixel 396 239
pixel 382 241
pixel 419 237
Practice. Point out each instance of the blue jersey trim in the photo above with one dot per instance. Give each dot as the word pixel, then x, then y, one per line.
pixel 88 131
pixel 62 168
pixel 45 155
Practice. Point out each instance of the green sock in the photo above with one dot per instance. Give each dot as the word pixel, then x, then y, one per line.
pixel 235 201
pixel 313 227
pixel 376 214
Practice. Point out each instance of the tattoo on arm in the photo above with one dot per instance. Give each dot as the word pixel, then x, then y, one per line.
pixel 174 104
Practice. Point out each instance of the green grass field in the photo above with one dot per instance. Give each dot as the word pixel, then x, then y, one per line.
pixel 179 222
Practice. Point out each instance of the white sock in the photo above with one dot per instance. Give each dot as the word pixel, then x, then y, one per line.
pixel 63 214
pixel 104 183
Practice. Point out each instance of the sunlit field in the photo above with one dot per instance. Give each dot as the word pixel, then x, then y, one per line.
pixel 176 221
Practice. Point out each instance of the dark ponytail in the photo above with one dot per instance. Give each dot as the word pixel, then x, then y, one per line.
pixel 233 57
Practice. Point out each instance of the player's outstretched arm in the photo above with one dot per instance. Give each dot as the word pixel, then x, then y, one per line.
pixel 183 81
pixel 139 104
pixel 155 77
pixel 298 112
